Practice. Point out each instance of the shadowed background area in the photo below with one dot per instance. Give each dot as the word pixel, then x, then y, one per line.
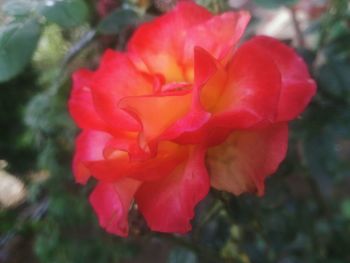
pixel 45 216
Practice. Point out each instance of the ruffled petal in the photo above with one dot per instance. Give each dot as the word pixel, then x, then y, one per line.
pixel 118 164
pixel 168 204
pixel 191 129
pixel 80 103
pixel 111 202
pixel 89 148
pixel 218 36
pixel 297 86
pixel 176 112
pixel 210 77
pixel 246 158
pixel 251 93
pixel 115 79
pixel 158 112
pixel 159 44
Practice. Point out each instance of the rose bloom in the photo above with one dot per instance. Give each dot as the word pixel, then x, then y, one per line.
pixel 185 107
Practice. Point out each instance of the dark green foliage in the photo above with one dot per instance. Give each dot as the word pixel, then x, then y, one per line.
pixel 14 146
pixel 117 20
pixel 67 13
pixel 18 41
pixel 275 3
pixel 303 217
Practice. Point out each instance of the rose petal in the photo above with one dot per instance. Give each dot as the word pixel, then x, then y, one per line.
pixel 80 103
pixel 118 165
pixel 165 40
pixel 89 147
pixel 173 113
pixel 218 35
pixel 242 163
pixel 168 204
pixel 111 202
pixel 115 79
pixel 297 86
pixel 191 128
pixel 251 92
pixel 158 112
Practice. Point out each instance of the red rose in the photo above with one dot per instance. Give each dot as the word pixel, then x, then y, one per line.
pixel 182 100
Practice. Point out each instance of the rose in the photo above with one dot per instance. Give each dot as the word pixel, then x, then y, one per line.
pixel 182 100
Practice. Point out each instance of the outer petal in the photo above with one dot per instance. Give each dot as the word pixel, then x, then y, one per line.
pixel 111 203
pixel 168 204
pixel 115 79
pixel 251 92
pixel 297 86
pixel 218 36
pixel 89 147
pixel 80 103
pixel 159 43
pixel 246 158
pixel 173 37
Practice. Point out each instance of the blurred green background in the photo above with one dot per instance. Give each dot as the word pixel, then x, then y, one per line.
pixel 305 213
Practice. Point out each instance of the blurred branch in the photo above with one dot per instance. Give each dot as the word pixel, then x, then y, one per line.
pixel 212 212
pixel 29 214
pixel 83 42
pixel 298 33
pixel 72 53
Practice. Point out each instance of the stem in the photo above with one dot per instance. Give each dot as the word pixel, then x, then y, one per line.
pixel 213 212
pixel 298 32
pixel 62 74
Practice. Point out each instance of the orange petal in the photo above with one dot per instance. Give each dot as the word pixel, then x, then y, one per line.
pixel 159 43
pixel 246 158
pixel 158 112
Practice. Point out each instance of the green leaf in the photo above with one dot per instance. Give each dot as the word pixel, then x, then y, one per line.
pixel 18 42
pixel 66 13
pixel 117 20
pixel 345 208
pixel 275 3
pixel 17 7
pixel 333 77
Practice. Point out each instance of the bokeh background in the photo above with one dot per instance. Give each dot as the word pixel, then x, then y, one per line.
pixel 45 216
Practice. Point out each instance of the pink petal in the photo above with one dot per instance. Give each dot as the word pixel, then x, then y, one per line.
pixel 115 79
pixel 251 92
pixel 89 147
pixel 80 103
pixel 218 35
pixel 168 204
pixel 297 86
pixel 111 202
